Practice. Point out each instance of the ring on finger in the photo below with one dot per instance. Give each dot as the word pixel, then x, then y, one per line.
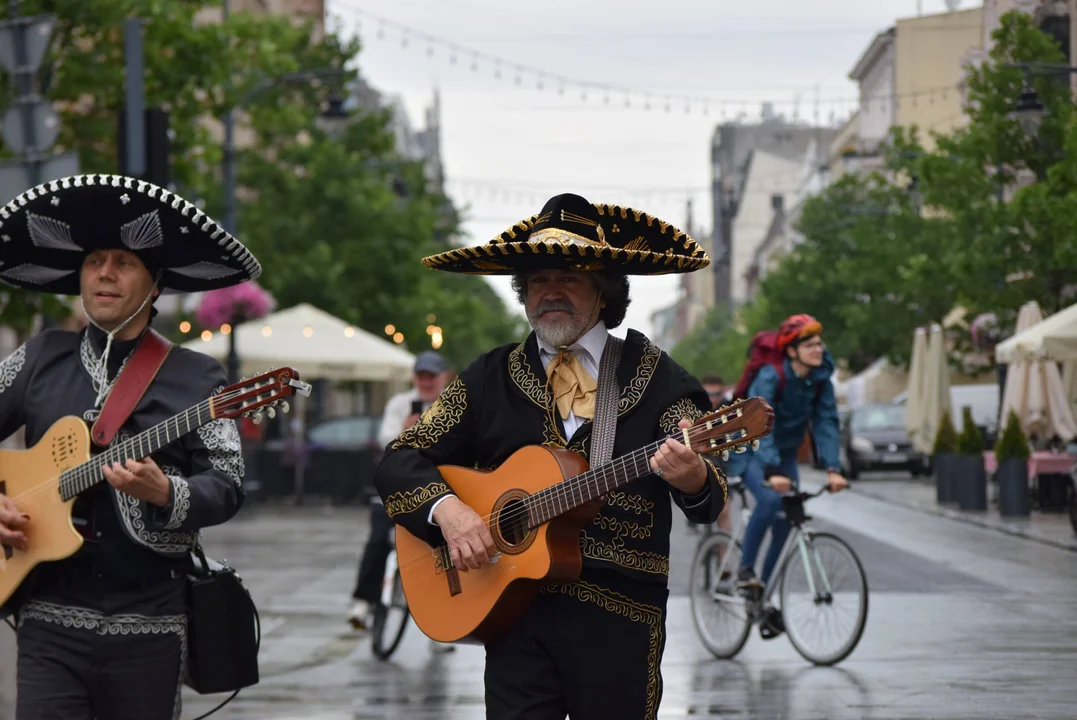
pixel 658 470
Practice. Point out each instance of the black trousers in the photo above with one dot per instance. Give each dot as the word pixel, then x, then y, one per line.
pixel 591 650
pixel 90 671
pixel 372 563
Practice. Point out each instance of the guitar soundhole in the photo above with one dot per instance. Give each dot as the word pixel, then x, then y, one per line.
pixel 512 522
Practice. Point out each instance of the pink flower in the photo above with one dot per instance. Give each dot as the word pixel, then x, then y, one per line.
pixel 246 301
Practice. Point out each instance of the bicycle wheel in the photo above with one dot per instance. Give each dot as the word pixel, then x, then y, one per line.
pixel 390 621
pixel 824 589
pixel 720 614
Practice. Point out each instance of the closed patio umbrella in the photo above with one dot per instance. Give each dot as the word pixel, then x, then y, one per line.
pixel 936 398
pixel 914 403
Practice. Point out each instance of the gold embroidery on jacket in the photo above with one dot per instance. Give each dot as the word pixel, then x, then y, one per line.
pixel 402 503
pixel 631 393
pixel 535 388
pixel 439 418
pixel 626 607
pixel 616 553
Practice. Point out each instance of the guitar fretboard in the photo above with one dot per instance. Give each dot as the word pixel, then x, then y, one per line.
pixel 82 477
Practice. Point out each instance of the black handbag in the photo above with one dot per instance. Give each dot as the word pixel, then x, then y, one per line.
pixel 223 629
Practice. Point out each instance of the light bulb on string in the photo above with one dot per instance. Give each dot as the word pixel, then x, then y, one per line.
pixel 474 64
pixel 430 51
pixel 404 40
pixel 381 32
pixel 519 80
pixel 538 84
pixel 628 101
pixel 497 72
pixel 452 59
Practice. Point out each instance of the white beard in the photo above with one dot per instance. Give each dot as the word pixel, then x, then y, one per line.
pixel 558 335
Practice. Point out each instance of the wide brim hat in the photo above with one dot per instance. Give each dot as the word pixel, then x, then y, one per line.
pixel 46 232
pixel 573 233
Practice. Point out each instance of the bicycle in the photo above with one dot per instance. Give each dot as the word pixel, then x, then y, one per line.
pixel 724 615
pixel 391 613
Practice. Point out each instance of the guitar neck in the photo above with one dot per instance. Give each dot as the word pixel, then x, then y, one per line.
pixel 558 499
pixel 139 447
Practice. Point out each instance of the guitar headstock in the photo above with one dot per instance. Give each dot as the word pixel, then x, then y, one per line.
pixel 263 393
pixel 732 427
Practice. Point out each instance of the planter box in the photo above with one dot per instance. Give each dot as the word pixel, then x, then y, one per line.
pixel 1012 478
pixel 971 482
pixel 944 484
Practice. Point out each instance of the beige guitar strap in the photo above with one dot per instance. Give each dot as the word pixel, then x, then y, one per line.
pixel 604 429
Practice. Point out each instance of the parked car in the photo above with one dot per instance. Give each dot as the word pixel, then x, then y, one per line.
pixel 874 438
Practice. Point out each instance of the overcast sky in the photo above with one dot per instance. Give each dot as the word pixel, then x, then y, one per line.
pixel 508 147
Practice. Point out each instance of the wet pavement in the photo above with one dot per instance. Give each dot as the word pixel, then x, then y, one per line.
pixel 964 622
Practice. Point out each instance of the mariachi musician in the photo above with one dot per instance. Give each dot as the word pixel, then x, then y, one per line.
pixel 102 634
pixel 592 648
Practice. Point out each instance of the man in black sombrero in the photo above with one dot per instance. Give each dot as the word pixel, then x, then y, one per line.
pixel 593 648
pixel 102 634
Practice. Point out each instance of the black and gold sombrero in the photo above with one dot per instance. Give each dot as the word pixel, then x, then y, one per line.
pixel 46 232
pixel 575 234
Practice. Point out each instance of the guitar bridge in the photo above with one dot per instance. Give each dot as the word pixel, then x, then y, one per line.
pixel 443 561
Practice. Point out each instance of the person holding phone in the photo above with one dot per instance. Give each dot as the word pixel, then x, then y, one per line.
pixel 401 412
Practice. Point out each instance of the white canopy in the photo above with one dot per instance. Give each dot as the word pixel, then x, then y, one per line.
pixel 1052 339
pixel 315 343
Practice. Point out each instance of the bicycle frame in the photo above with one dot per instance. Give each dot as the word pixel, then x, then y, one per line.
pixel 389 578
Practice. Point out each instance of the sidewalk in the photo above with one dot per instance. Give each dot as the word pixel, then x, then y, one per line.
pixel 1048 528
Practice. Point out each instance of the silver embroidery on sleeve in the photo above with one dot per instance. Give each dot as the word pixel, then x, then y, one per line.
pixel 221 438
pixel 181 501
pixel 10 367
pixel 132 513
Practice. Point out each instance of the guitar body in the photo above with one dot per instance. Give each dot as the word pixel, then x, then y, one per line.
pixel 32 479
pixel 479 606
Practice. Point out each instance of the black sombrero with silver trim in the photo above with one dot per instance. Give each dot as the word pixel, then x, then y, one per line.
pixel 47 231
pixel 575 234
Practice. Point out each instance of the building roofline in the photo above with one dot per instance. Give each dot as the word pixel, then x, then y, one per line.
pixel 874 51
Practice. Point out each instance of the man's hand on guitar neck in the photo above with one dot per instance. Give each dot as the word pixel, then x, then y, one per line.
pixel 680 466
pixel 469 540
pixel 11 523
pixel 142 480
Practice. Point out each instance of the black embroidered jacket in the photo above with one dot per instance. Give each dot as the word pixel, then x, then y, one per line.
pixel 501 403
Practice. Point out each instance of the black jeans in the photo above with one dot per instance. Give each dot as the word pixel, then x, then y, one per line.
pixel 375 554
pixel 107 672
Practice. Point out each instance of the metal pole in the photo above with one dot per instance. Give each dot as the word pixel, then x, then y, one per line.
pixel 229 161
pixel 24 84
pixel 135 125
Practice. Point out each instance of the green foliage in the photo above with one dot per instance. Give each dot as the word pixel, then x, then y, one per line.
pixel 946 437
pixel 719 343
pixel 1004 254
pixel 340 221
pixel 1012 443
pixel 870 268
pixel 970 441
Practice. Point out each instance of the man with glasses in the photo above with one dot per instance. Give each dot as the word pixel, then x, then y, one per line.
pixel 799 389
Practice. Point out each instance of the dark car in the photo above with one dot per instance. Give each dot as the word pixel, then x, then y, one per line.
pixel 874 438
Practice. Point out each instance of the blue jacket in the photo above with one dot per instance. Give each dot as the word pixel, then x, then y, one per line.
pixel 792 412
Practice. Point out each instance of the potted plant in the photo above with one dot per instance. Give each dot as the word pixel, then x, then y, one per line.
pixel 971 478
pixel 943 456
pixel 1012 452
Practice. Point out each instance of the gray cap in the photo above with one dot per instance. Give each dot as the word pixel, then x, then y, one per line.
pixel 430 362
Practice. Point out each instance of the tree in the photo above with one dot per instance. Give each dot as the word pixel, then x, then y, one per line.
pixel 1006 253
pixel 870 268
pixel 340 222
pixel 719 343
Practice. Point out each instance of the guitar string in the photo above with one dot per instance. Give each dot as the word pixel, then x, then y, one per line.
pixel 568 486
pixel 604 468
pixel 87 468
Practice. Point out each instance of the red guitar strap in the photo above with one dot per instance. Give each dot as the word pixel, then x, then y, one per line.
pixel 130 386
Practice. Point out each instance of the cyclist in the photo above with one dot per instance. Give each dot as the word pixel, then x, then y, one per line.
pixel 796 383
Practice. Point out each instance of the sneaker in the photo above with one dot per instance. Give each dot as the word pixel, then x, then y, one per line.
pixel 359 615
pixel 772 625
pixel 746 579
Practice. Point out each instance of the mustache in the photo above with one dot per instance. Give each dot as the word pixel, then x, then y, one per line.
pixel 554 306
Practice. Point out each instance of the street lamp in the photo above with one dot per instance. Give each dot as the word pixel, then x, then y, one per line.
pixel 1030 110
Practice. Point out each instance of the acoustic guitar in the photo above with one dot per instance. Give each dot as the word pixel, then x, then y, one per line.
pixel 45 479
pixel 535 505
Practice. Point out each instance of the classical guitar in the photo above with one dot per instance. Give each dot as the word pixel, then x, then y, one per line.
pixel 45 479
pixel 535 504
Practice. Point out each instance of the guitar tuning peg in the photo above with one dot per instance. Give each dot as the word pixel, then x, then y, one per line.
pixel 257 419
pixel 725 455
pixel 271 413
pixel 284 406
pixel 742 449
pixel 755 444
